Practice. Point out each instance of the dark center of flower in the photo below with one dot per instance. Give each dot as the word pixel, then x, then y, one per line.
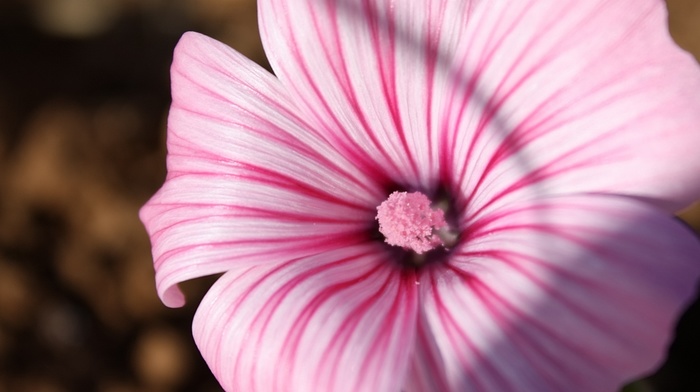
pixel 408 220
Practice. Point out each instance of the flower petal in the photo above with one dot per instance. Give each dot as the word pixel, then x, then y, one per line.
pixel 367 71
pixel 427 371
pixel 563 97
pixel 566 294
pixel 244 172
pixel 340 321
pixel 545 96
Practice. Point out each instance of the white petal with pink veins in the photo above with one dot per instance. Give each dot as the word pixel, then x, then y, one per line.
pixel 367 71
pixel 563 97
pixel 570 293
pixel 341 321
pixel 245 173
pixel 501 98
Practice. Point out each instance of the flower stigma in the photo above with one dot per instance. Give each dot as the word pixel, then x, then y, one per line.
pixel 408 220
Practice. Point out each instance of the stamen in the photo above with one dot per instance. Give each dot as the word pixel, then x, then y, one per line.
pixel 407 220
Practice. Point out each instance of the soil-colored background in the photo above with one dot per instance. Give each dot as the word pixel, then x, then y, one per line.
pixel 83 100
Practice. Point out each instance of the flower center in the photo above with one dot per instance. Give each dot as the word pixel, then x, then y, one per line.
pixel 407 220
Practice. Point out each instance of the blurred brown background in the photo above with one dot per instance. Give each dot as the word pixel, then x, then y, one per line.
pixel 83 101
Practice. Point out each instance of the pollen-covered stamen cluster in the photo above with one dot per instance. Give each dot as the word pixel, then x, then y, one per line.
pixel 407 220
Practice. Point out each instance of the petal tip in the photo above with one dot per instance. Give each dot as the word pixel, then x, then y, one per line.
pixel 172 297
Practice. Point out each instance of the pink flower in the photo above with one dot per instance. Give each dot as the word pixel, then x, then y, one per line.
pixel 554 138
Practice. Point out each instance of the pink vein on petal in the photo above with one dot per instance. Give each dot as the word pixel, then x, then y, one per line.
pixel 276 137
pixel 389 85
pixel 459 338
pixel 491 108
pixel 561 281
pixel 360 157
pixel 351 94
pixel 313 306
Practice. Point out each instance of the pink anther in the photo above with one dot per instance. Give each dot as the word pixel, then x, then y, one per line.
pixel 407 220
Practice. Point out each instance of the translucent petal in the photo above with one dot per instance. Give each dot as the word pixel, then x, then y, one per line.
pixel 248 179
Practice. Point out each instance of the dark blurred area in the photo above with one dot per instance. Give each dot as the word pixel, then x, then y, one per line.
pixel 84 93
